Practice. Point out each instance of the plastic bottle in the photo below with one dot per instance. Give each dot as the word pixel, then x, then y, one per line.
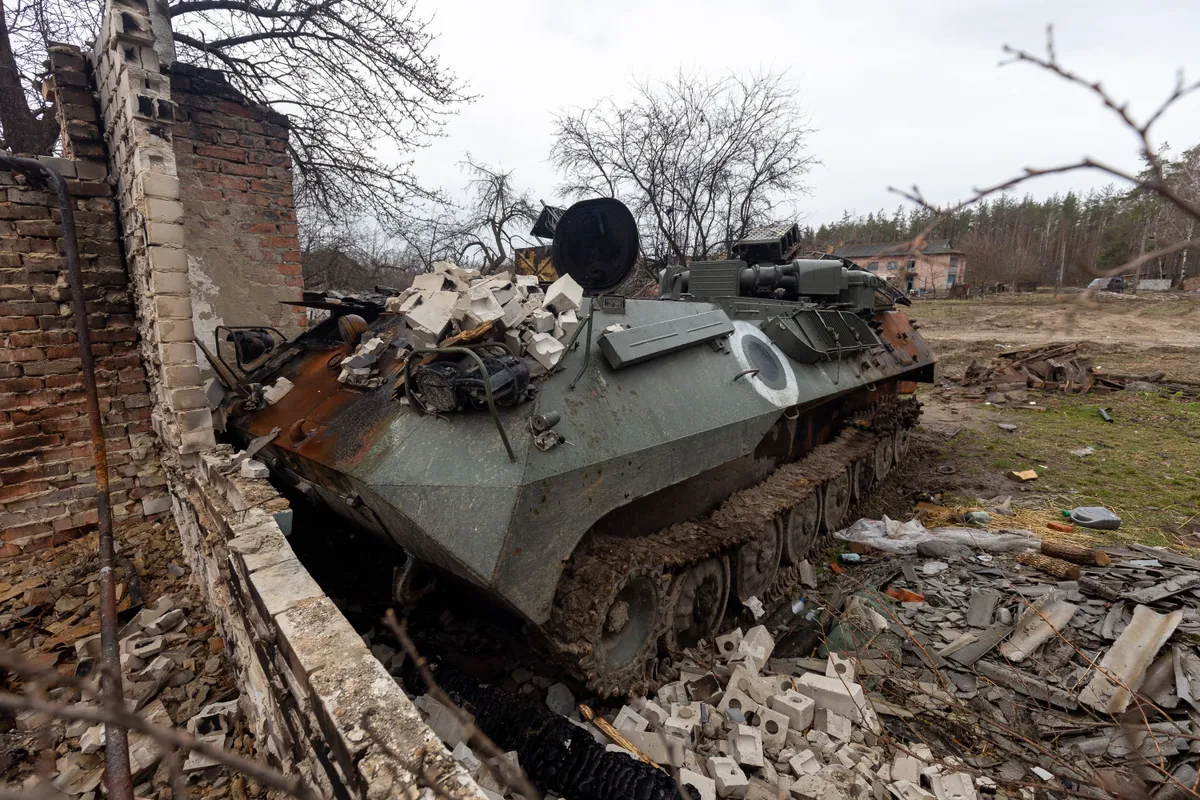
pixel 1094 517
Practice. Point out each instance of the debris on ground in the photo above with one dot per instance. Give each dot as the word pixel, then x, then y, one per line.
pixel 175 671
pixel 1055 367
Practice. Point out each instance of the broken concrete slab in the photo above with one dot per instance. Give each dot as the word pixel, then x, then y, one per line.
pixel 564 295
pixel 1041 620
pixel 1030 685
pixel 1124 666
pixel 982 607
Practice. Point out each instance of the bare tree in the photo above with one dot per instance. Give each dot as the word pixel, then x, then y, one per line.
pixel 354 77
pixel 355 257
pixel 483 232
pixel 1155 181
pixel 700 160
pixel 498 214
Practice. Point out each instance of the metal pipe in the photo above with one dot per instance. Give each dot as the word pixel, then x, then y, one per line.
pixel 116 745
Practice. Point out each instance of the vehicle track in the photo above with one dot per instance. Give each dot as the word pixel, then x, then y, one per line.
pixel 607 569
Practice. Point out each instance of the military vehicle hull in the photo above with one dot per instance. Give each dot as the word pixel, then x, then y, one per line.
pixel 646 447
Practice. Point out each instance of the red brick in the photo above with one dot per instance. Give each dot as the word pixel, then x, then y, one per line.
pixel 223 153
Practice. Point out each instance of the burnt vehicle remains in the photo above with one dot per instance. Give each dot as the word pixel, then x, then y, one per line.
pixel 618 472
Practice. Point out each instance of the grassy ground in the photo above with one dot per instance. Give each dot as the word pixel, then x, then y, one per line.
pixel 1146 465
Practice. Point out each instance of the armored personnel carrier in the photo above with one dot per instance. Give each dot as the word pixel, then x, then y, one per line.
pixel 682 457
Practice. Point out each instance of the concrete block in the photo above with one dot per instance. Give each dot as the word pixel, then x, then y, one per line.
pixel 163 282
pixel 815 787
pixel 277 391
pixel 762 789
pixel 806 762
pixel 429 282
pixel 727 645
pixel 737 700
pixel 466 756
pixel 156 185
pixel 164 233
pixel 255 470
pixel 156 505
pixel 706 787
pixel 92 739
pixel 906 768
pixel 847 699
pixel 568 321
pixel 773 727
pixel 546 350
pixel 745 745
pixel 543 321
pixel 167 259
pixel 176 330
pixel 659 747
pixel 907 790
pixel 798 709
pixel 954 786
pixel 432 316
pixel 563 295
pixel 629 720
pixel 758 645
pixel 838 666
pixel 160 209
pixel 834 725
pixel 560 700
pixel 728 777
pixel 653 712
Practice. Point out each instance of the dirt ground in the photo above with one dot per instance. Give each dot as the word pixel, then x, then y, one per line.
pixel 1126 334
pixel 1145 465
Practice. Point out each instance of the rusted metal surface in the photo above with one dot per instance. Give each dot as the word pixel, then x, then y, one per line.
pixel 116 747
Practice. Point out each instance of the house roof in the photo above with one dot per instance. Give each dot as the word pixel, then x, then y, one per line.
pixel 933 247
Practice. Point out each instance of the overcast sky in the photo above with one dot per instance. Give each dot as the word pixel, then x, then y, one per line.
pixel 898 92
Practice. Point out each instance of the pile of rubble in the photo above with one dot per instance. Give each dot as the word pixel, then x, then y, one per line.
pixel 1055 367
pixel 174 668
pixel 949 673
pixel 452 300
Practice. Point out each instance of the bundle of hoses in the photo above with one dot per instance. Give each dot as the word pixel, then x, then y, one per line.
pixel 559 757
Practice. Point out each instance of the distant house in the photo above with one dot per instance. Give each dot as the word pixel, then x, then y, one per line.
pixel 934 270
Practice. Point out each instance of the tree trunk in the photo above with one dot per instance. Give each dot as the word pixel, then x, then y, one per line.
pixel 24 132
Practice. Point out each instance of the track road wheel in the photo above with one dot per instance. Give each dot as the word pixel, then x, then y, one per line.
pixel 900 442
pixel 837 500
pixel 625 631
pixel 884 456
pixel 699 595
pixel 864 478
pixel 757 561
pixel 803 527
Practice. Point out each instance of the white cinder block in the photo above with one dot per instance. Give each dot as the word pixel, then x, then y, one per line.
pixel 727 645
pixel 728 776
pixel 842 698
pixel 564 294
pixel 706 787
pixel 547 350
pixel 798 708
pixel 773 727
pixel 745 745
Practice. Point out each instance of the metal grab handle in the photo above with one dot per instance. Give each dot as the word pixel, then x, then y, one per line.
pixel 487 387
pixel 744 373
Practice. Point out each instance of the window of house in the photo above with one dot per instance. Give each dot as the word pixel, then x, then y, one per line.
pixel 953 262
pixel 892 266
pixel 950 276
pixel 873 266
pixel 912 266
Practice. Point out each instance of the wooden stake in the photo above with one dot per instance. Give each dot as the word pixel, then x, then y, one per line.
pixel 1054 566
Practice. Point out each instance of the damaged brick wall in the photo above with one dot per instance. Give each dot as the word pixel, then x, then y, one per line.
pixel 137 118
pixel 47 487
pixel 240 219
